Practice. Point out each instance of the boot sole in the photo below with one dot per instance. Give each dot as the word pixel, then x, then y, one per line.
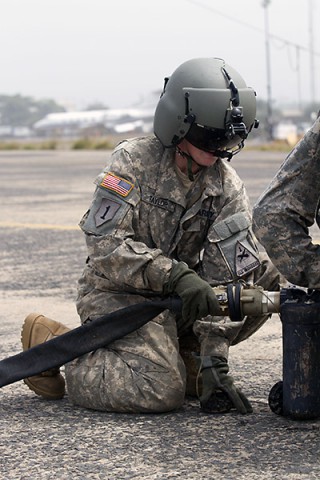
pixel 42 393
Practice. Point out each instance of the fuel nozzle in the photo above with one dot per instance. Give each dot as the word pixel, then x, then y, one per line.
pixel 238 300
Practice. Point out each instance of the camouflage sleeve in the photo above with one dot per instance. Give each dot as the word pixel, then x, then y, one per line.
pixel 230 250
pixel 285 212
pixel 119 261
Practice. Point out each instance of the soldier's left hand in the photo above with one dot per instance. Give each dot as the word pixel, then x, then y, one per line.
pixel 219 393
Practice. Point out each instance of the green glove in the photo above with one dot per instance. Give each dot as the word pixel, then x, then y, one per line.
pixel 198 298
pixel 219 394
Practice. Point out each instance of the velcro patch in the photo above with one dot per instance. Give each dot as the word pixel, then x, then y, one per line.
pixel 245 260
pixel 117 184
pixel 106 212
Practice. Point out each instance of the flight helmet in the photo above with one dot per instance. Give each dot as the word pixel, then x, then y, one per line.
pixel 207 102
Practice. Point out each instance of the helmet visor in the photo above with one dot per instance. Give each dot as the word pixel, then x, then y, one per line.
pixel 207 139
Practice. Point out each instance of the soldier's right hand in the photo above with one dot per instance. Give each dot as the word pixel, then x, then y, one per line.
pixel 198 298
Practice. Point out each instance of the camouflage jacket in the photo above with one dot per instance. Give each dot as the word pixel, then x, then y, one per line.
pixel 288 208
pixel 141 219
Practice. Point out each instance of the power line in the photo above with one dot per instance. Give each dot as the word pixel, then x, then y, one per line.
pixel 252 27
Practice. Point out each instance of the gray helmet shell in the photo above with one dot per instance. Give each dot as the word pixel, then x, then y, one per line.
pixel 199 92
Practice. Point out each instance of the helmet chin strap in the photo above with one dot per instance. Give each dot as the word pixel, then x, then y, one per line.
pixel 219 153
pixel 189 159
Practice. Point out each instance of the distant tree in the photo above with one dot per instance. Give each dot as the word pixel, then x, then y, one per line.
pixel 44 107
pixel 17 110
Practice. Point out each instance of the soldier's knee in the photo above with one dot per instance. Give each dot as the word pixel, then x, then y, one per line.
pixel 164 397
pixel 134 392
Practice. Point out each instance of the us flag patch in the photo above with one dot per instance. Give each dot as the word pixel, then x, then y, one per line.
pixel 117 184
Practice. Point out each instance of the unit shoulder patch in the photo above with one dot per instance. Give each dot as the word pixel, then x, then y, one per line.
pixel 107 210
pixel 245 260
pixel 116 184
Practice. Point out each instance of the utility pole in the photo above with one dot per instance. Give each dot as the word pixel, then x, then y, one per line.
pixel 299 77
pixel 311 49
pixel 265 4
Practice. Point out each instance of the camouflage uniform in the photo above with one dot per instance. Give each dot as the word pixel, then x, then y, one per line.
pixel 144 216
pixel 288 208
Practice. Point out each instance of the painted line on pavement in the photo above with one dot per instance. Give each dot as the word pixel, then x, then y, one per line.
pixel 38 226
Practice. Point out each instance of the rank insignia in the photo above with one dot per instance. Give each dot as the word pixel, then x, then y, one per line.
pixel 116 184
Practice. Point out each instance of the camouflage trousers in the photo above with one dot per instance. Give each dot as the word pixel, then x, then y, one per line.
pixel 145 371
pixel 141 372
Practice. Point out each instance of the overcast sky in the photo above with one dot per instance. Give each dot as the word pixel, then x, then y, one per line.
pixel 119 51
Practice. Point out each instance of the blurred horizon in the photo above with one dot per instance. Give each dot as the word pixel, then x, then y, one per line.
pixel 80 52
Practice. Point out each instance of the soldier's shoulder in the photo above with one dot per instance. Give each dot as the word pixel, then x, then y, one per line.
pixel 229 173
pixel 138 146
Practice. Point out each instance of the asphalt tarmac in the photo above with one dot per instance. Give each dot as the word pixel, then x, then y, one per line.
pixel 43 196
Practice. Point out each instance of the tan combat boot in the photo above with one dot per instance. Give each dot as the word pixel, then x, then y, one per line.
pixel 38 329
